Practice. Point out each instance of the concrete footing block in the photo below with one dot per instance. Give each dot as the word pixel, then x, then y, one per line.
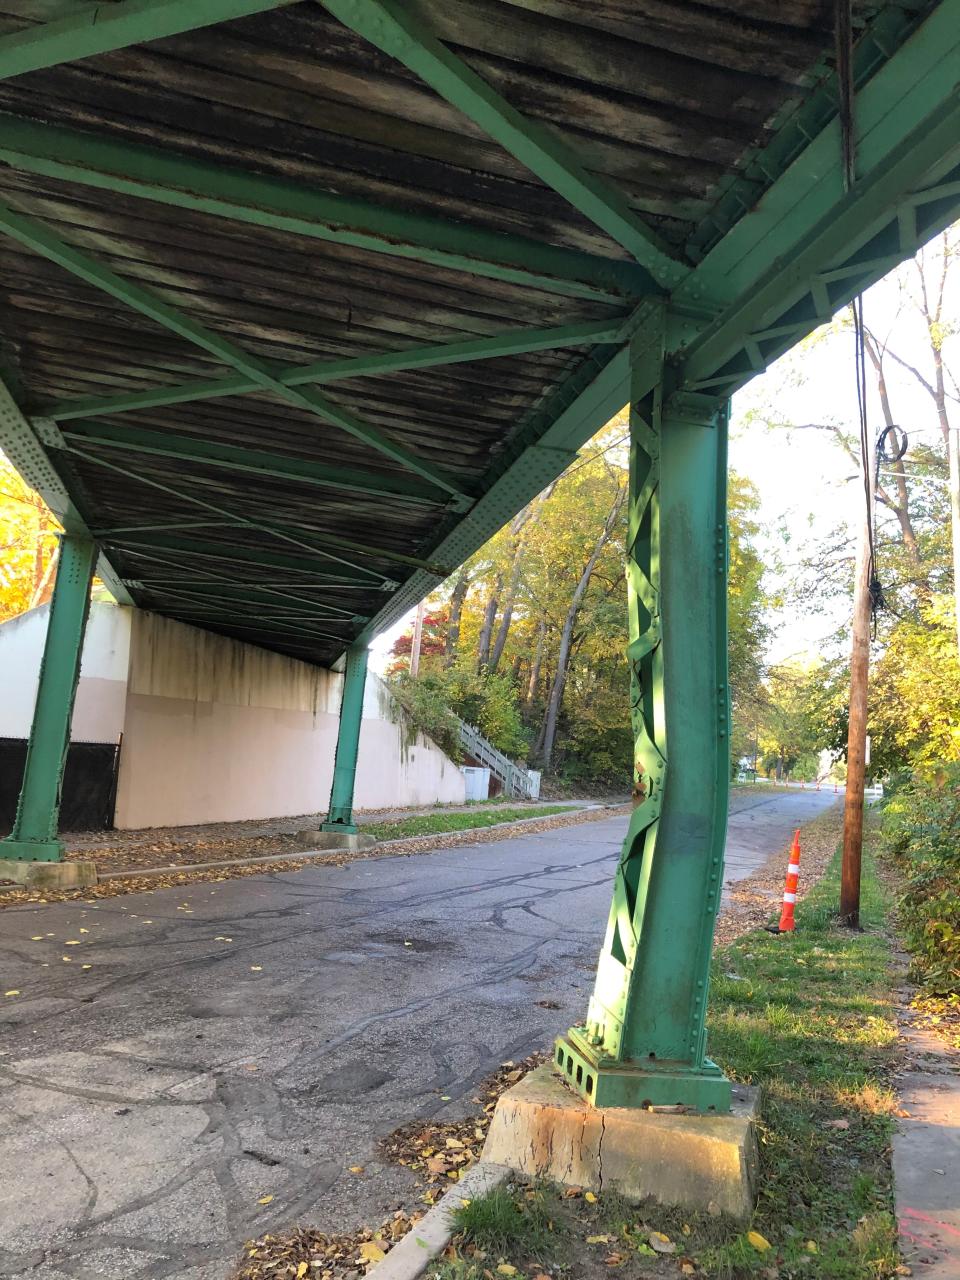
pixel 543 1129
pixel 335 840
pixel 49 875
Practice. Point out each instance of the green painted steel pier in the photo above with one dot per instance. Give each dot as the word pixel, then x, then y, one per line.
pixel 301 301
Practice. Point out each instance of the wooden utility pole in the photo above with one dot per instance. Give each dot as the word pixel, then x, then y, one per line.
pixel 417 641
pixel 857 731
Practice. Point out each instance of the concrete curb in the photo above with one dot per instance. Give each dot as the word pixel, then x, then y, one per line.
pixel 300 855
pixel 411 1256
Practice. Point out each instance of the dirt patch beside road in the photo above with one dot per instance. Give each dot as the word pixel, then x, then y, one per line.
pixel 749 903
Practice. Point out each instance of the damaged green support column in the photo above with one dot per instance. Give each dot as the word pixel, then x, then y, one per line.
pixel 340 816
pixel 644 1041
pixel 34 835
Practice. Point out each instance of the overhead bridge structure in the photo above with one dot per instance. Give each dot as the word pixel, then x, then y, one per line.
pixel 302 301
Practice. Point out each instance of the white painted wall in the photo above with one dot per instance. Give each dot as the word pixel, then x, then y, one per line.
pixel 217 731
pixel 98 711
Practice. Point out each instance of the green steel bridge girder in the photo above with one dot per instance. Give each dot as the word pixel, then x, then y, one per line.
pixel 34 834
pixel 234 458
pixel 152 174
pixel 644 1040
pixel 340 812
pixel 401 34
pixel 908 118
pixel 33 235
pixel 436 355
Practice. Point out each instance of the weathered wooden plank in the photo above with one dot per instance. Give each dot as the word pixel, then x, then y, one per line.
pixel 771 48
pixel 299 255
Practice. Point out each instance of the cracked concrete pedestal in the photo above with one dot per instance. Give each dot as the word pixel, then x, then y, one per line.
pixel 48 875
pixel 336 840
pixel 542 1129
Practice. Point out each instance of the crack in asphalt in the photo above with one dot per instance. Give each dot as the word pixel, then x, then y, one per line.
pixel 168 1111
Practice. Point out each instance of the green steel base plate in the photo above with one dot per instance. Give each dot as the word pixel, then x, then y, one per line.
pixel 339 828
pixel 30 850
pixel 607 1083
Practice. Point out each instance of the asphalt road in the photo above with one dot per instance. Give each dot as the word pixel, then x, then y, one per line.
pixel 255 1038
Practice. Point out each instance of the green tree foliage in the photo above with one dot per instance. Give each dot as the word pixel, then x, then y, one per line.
pixel 795 710
pixel 28 543
pixel 537 622
pixel 915 701
pixel 921 827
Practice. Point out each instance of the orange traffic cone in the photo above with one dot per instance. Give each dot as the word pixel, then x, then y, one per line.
pixel 790 888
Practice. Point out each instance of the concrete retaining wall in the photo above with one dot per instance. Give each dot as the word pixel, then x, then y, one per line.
pixel 215 730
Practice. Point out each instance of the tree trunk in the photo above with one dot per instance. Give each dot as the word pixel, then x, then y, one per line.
pixel 520 521
pixel 534 681
pixel 486 630
pixel 566 635
pixel 416 642
pixel 901 505
pixel 456 612
pixel 507 617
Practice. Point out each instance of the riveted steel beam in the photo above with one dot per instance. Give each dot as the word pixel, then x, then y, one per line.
pixel 34 834
pixel 229 457
pixel 194 548
pixel 515 342
pixel 279 608
pixel 231 519
pixel 340 812
pixel 307 536
pixel 644 1040
pixel 100 28
pixel 34 235
pixel 152 174
pixel 247 621
pixel 394 29
pixel 25 448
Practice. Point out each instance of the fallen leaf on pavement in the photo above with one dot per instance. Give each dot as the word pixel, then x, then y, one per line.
pixel 371 1252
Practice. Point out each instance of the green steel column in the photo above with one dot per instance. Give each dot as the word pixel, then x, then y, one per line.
pixel 340 817
pixel 34 835
pixel 644 1041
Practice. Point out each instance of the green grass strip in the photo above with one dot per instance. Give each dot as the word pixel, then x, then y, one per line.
pixel 810 1017
pixel 432 824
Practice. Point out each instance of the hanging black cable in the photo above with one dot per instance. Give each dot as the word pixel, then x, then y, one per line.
pixel 844 52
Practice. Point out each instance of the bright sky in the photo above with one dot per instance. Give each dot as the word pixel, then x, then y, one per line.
pixel 807 485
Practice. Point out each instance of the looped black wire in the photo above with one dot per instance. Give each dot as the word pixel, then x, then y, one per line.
pixel 901 443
